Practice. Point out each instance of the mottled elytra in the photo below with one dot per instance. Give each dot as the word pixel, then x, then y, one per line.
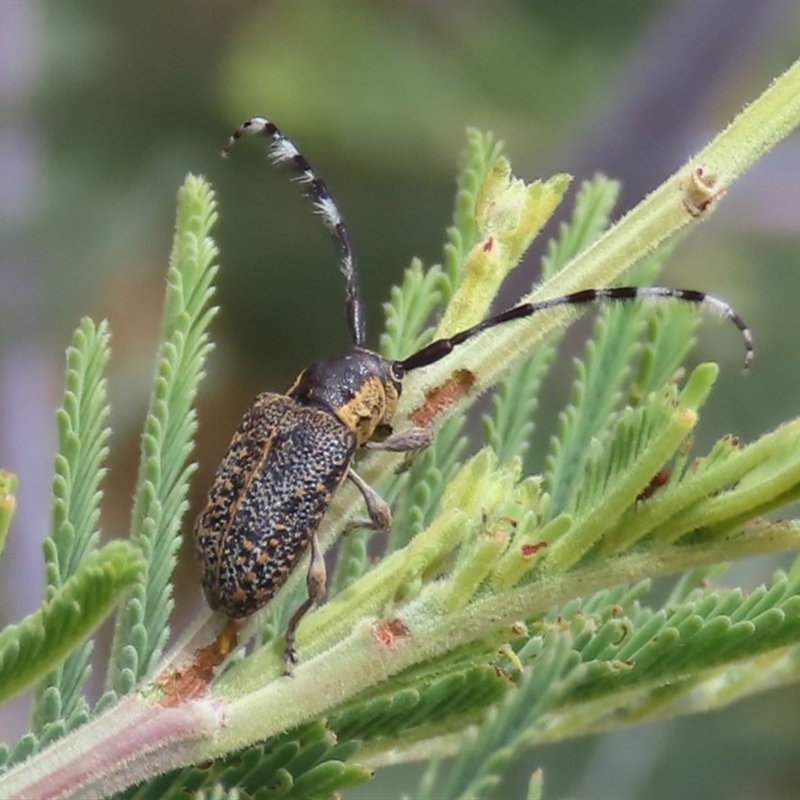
pixel 292 451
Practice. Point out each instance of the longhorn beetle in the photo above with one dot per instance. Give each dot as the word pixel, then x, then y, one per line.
pixel 292 451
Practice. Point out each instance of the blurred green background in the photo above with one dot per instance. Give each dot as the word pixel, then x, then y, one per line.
pixel 104 107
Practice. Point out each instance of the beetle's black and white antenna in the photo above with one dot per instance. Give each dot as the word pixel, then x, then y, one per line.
pixel 441 347
pixel 283 151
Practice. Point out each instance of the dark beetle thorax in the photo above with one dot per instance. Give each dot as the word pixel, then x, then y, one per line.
pixel 360 388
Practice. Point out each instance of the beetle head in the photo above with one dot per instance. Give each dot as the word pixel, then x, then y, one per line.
pixel 360 387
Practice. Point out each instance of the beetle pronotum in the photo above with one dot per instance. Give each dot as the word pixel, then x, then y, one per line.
pixel 292 451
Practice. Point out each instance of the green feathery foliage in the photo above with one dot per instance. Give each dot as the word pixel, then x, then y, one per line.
pixel 510 726
pixel 8 505
pixel 409 308
pixel 43 640
pixel 305 763
pixel 535 785
pixel 79 470
pixel 422 291
pixel 616 474
pixel 481 156
pixel 601 377
pixel 669 339
pixel 164 471
pixel 484 167
pixel 402 717
pixel 510 426
pixel 411 305
pixel 84 583
pixel 510 609
pixel 428 477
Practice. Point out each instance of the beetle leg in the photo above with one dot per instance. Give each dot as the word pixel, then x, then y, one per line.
pixel 380 515
pixel 316 581
pixel 402 442
pixel 411 441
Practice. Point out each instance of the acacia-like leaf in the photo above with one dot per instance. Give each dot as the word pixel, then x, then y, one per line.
pixel 79 470
pixel 616 473
pixel 164 470
pixel 42 640
pixel 302 763
pixel 8 504
pixel 484 755
pixel 510 426
pixel 597 391
pixel 482 154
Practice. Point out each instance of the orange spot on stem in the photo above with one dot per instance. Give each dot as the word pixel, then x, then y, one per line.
pixel 440 398
pixel 190 682
pixel 529 550
pixel 390 633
